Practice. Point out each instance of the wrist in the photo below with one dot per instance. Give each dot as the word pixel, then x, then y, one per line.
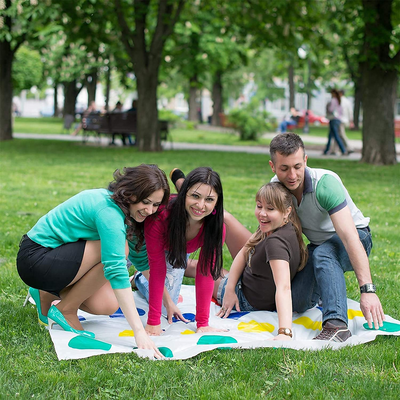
pixel 368 288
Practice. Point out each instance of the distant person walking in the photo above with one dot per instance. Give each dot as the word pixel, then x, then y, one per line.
pixel 334 113
pixel 347 118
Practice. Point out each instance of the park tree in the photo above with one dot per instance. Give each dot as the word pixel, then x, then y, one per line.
pixel 145 26
pixel 379 71
pixel 19 22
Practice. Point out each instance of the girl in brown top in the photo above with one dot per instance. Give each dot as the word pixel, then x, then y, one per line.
pixel 261 273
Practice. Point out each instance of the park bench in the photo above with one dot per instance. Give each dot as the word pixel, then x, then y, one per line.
pixel 116 123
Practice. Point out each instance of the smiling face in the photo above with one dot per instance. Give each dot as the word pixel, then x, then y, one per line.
pixel 269 217
pixel 290 169
pixel 149 205
pixel 200 201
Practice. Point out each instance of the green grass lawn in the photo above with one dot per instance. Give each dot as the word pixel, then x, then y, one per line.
pixel 36 175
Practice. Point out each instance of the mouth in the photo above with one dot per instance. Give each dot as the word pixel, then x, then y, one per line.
pixel 142 215
pixel 198 213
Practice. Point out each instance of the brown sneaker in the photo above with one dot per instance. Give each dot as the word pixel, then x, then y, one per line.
pixel 333 333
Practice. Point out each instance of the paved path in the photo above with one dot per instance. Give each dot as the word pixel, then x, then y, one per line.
pixel 357 145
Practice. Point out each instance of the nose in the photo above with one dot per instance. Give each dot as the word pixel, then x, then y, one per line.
pixel 200 203
pixel 292 174
pixel 150 209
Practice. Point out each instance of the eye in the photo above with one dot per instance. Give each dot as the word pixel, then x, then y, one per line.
pixel 195 196
pixel 209 199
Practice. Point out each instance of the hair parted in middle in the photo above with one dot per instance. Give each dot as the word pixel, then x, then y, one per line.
pixel 275 194
pixel 210 261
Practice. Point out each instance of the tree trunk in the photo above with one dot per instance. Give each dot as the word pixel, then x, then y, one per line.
pixel 217 99
pixel 291 86
pixel 70 95
pixel 108 88
pixel 309 94
pixel 357 104
pixel 379 96
pixel 193 104
pixel 55 99
pixel 148 131
pixel 6 90
pixel 91 84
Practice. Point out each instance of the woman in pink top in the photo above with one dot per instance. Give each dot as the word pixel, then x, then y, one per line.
pixel 193 219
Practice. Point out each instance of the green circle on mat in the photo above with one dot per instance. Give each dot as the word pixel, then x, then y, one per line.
pixel 166 352
pixel 85 343
pixel 216 339
pixel 387 327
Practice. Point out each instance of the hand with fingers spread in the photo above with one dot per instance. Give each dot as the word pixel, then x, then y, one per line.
pixel 230 301
pixel 153 330
pixel 372 309
pixel 204 329
pixel 174 311
pixel 143 341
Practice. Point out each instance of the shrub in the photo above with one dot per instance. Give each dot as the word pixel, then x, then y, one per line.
pixel 250 121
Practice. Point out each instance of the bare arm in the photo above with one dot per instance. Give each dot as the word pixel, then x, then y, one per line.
pixel 128 307
pixel 283 295
pixel 346 230
pixel 230 299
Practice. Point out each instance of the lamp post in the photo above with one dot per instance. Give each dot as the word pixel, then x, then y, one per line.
pixel 302 52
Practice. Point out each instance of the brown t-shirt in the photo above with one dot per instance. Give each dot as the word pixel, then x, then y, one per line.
pixel 257 280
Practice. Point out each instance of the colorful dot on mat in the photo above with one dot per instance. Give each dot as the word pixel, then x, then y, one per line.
pixel 254 326
pixel 308 323
pixel 189 316
pixel 387 327
pixel 180 299
pixel 166 352
pixel 215 301
pixel 85 343
pixel 127 332
pixel 81 318
pixel 120 314
pixel 216 339
pixel 237 314
pixel 187 332
pixel 354 313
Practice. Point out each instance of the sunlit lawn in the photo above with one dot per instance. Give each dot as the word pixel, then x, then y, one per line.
pixel 36 175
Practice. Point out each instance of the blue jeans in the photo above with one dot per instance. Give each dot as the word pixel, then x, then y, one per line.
pixel 284 124
pixel 243 303
pixel 173 283
pixel 334 130
pixel 323 277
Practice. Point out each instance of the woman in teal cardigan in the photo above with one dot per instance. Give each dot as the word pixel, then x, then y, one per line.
pixel 77 251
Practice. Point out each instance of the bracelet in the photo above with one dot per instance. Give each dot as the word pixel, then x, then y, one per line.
pixel 285 331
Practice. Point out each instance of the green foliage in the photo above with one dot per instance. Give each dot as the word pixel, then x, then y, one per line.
pixel 27 69
pixel 249 120
pixel 37 175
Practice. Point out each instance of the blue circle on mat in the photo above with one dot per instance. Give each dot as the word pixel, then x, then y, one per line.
pixel 189 316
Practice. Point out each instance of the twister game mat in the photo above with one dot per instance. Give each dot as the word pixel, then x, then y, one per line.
pixel 247 330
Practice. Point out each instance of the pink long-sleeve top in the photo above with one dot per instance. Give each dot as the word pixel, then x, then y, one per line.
pixel 156 236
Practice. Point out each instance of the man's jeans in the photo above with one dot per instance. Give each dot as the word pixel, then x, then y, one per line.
pixel 323 277
pixel 173 283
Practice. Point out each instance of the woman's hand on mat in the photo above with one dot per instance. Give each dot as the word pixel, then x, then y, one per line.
pixel 153 330
pixel 230 301
pixel 174 311
pixel 143 341
pixel 281 337
pixel 204 329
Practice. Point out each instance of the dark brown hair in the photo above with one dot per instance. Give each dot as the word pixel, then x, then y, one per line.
pixel 285 144
pixel 138 182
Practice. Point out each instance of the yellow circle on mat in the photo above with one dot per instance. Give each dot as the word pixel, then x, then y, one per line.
pixel 254 326
pixel 187 332
pixel 127 332
pixel 308 323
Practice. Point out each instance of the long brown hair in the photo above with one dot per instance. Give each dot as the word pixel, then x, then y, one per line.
pixel 280 198
pixel 140 182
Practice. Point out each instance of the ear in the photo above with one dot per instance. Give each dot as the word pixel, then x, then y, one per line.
pixel 287 213
pixel 305 160
pixel 271 164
